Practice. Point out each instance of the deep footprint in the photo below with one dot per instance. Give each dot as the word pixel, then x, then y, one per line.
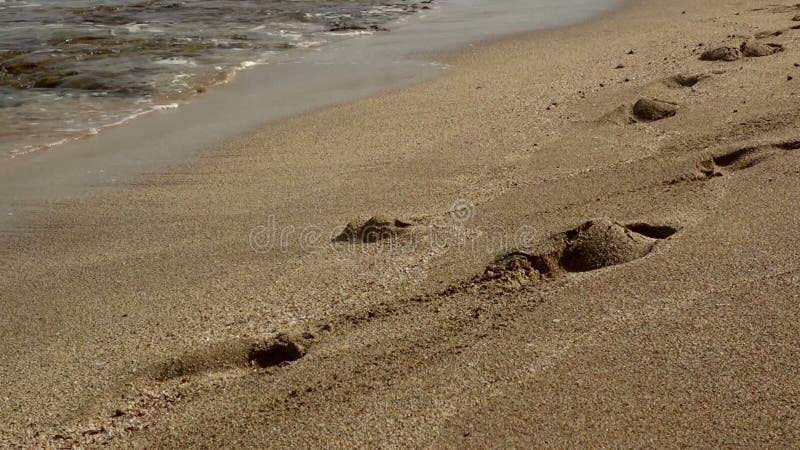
pixel 594 245
pixel 282 350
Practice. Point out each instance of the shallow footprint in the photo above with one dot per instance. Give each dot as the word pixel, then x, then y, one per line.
pixel 684 81
pixel 235 354
pixel 741 159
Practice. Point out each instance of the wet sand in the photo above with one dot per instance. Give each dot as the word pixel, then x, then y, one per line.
pixel 553 263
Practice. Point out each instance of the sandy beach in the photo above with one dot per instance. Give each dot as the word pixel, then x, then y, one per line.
pixel 578 237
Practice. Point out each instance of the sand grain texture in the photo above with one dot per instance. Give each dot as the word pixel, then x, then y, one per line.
pixel 208 307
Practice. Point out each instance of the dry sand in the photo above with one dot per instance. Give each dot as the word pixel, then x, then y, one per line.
pixel 563 271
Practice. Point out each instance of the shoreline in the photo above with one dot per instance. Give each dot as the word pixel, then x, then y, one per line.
pixel 62 120
pixel 292 85
pixel 551 264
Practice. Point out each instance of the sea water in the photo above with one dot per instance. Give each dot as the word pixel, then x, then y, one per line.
pixel 69 68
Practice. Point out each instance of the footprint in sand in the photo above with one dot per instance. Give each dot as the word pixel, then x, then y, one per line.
pixel 724 164
pixel 594 245
pixel 749 49
pixel 685 81
pixel 736 160
pixel 236 355
pixel 741 159
pixel 374 229
pixel 280 350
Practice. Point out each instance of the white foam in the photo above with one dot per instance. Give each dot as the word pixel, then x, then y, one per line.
pixel 176 61
pixel 351 33
pixel 85 133
pixel 135 28
pixel 309 44
pixel 165 107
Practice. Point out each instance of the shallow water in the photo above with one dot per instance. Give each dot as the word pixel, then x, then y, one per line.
pixel 295 81
pixel 70 67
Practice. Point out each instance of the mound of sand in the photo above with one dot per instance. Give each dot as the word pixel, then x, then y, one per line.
pixel 372 230
pixel 621 115
pixel 650 109
pixel 602 243
pixel 722 54
pixel 754 49
pixel 519 265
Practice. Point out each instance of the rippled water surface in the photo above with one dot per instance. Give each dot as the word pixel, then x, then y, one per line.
pixel 71 67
